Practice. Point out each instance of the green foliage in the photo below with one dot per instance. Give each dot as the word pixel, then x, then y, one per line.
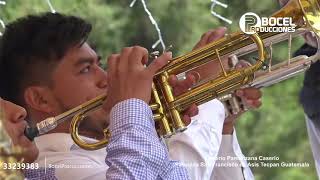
pixel 276 129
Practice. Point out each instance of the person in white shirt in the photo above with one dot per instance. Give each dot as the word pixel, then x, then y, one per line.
pixel 50 78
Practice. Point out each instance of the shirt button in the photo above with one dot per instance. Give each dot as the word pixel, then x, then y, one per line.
pixel 212 130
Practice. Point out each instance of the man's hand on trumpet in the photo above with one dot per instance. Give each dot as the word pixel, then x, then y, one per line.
pixel 250 96
pixel 181 86
pixel 129 78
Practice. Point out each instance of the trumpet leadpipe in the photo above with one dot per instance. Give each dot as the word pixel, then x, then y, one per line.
pixel 51 123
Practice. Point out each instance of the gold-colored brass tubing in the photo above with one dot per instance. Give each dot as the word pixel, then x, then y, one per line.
pixel 305 14
pixel 154 106
pixel 221 85
pixel 175 115
pixel 81 143
pixel 201 56
pixel 157 117
pixel 163 121
pixel 221 64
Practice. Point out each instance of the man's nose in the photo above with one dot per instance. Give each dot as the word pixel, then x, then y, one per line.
pixel 102 78
pixel 14 112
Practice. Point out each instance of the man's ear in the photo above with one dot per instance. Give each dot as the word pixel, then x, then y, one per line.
pixel 39 98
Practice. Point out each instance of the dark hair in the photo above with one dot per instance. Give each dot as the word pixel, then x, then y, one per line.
pixel 31 47
pixel 310 92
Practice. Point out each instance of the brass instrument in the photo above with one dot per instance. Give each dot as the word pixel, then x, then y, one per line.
pixel 166 107
pixel 8 155
pixel 275 73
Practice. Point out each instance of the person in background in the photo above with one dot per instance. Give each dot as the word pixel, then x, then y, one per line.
pixel 310 100
pixel 309 96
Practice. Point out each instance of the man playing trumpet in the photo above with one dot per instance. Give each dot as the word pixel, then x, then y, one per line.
pixel 134 151
pixel 58 71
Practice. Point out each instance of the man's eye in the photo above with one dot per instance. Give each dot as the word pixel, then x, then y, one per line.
pixel 85 70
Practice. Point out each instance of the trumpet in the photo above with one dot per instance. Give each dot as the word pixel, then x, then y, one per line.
pixel 274 74
pixel 166 107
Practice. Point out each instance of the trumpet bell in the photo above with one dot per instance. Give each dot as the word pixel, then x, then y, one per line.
pixel 305 13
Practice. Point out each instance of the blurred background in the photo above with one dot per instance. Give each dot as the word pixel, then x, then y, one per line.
pixel 276 129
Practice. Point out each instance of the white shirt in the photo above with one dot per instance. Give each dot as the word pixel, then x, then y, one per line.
pixel 248 175
pixel 198 145
pixel 314 137
pixel 59 149
pixel 228 167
